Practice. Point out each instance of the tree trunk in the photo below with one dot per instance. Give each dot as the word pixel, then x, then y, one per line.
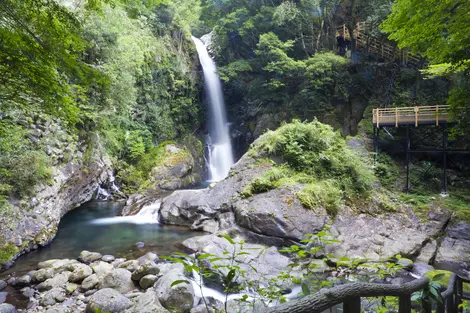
pixel 321 301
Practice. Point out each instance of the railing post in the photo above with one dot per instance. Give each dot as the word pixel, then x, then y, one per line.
pixel 396 117
pixel 458 294
pixel 404 304
pixel 416 116
pixel 352 305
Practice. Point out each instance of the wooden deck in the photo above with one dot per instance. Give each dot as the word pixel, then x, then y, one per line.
pixel 419 115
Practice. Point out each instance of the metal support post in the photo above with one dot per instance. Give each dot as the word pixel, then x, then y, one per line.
pixel 408 159
pixel 444 161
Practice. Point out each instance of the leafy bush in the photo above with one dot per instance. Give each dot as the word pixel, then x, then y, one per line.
pixel 316 155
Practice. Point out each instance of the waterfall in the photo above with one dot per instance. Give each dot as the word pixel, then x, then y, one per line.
pixel 220 156
pixel 149 214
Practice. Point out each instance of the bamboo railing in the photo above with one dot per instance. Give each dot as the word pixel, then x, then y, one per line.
pixel 418 115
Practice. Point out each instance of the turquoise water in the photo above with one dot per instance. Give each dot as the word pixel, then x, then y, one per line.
pixel 92 227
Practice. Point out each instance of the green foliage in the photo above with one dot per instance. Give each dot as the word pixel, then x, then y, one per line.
pixel 315 155
pixel 7 252
pixel 437 30
pixel 324 193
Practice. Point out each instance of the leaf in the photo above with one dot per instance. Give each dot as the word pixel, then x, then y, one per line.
pixel 305 289
pixel 438 276
pixel 227 237
pixel 177 282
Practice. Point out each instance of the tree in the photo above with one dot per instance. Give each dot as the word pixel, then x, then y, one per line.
pixel 438 30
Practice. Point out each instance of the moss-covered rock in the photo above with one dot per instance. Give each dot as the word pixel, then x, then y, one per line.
pixel 7 252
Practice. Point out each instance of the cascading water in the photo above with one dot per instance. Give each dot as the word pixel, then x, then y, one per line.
pixel 220 156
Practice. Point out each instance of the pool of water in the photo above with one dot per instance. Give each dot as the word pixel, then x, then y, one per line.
pixel 95 226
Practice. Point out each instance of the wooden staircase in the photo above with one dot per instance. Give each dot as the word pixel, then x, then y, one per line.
pixel 379 47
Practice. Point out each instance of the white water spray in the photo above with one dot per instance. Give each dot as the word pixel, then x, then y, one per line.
pixel 220 149
pixel 149 214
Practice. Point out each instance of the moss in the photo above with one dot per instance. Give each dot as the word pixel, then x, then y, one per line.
pixel 444 280
pixel 7 252
pixel 316 156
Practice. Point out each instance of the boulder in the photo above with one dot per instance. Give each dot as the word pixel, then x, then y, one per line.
pixel 147 303
pixel 118 262
pixel 147 281
pixel 88 257
pixel 41 275
pixel 167 267
pixel 7 308
pixel 90 282
pixel 79 272
pixel 108 258
pixel 107 300
pixel 3 285
pixel 279 213
pixel 118 279
pixel 101 268
pixel 147 268
pixel 52 296
pixel 23 281
pixel 70 288
pixel 180 297
pixel 149 256
pixel 58 280
pixel 130 265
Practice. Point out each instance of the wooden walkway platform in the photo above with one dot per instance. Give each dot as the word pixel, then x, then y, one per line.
pixel 419 115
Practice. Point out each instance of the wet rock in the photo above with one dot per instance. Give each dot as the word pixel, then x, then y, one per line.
pixel 179 297
pixel 108 300
pixel 7 308
pixel 79 272
pixel 3 285
pixel 88 257
pixel 140 245
pixel 420 269
pixel 52 296
pixel 101 268
pixel 58 280
pixel 118 279
pixel 147 281
pixel 147 268
pixel 130 265
pixel 108 258
pixel 118 262
pixel 28 292
pixel 23 281
pixel 70 288
pixel 147 303
pixel 41 275
pixel 149 256
pixel 90 282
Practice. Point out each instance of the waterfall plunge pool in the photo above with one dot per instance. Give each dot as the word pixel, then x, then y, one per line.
pixel 96 226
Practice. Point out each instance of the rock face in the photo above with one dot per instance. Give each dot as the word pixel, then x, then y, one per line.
pixel 454 249
pixel 72 184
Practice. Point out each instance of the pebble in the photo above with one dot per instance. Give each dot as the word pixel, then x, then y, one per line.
pixel 108 258
pixel 140 245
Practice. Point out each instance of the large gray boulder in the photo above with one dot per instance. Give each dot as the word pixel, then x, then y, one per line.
pixel 53 296
pixel 454 249
pixel 108 300
pixel 279 213
pixel 101 268
pixel 147 303
pixel 118 279
pixel 180 297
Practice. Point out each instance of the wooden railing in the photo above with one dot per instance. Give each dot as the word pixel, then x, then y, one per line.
pixel 350 295
pixel 379 47
pixel 411 116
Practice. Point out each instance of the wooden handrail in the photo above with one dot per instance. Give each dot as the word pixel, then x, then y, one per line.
pixel 350 295
pixel 433 114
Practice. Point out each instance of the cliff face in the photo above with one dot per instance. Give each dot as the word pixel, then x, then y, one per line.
pixel 75 171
